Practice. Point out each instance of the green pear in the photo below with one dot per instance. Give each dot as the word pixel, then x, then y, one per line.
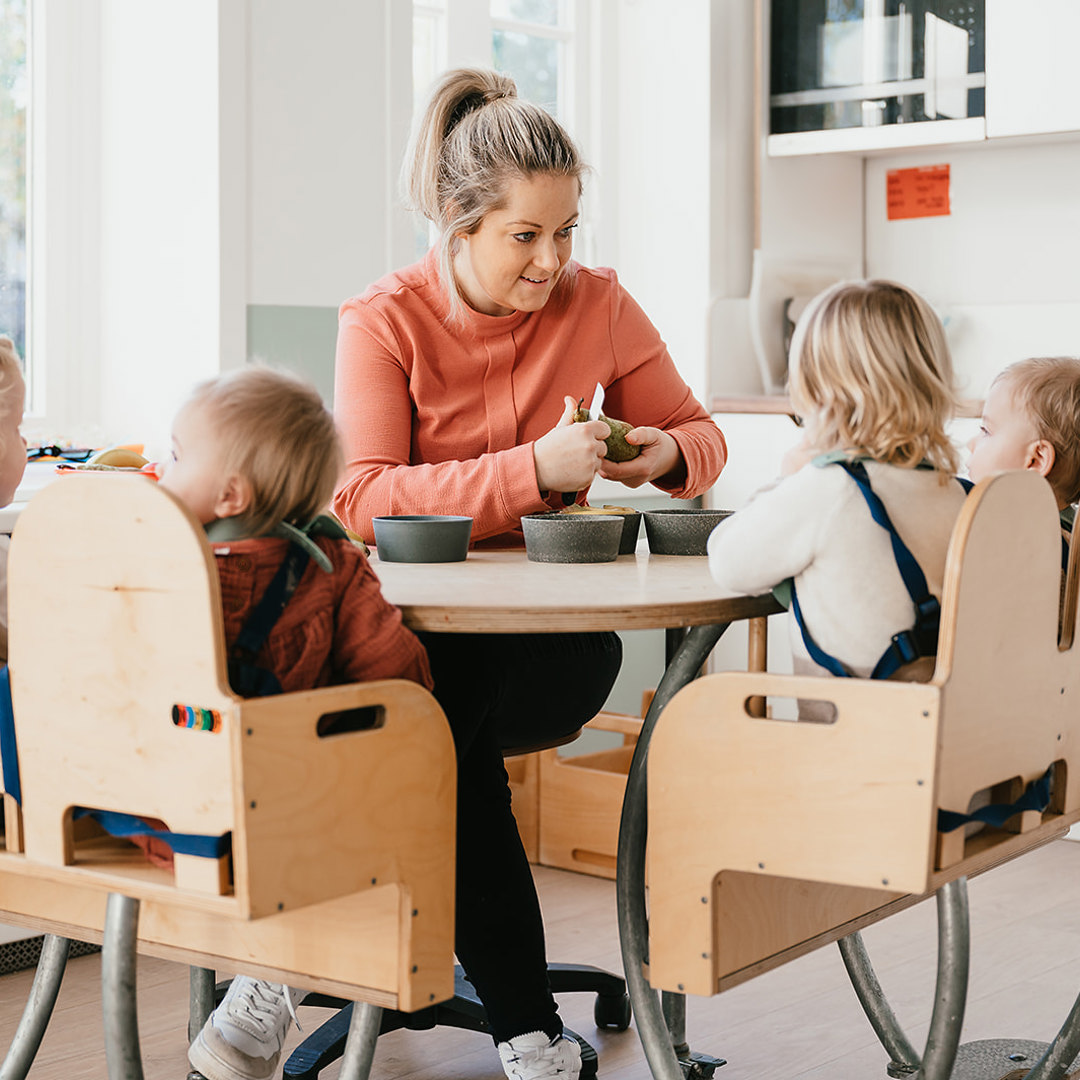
pixel 618 449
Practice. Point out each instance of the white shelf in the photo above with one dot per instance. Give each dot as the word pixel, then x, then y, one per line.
pixel 887 137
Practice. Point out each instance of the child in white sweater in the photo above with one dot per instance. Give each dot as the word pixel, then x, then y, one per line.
pixel 871 376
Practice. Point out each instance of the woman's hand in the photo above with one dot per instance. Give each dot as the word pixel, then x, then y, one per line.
pixel 568 457
pixel 660 455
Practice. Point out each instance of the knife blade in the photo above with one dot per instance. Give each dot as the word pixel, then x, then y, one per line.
pixel 597 403
pixel 595 407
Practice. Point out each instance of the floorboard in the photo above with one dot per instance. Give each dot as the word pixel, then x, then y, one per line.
pixel 801 1021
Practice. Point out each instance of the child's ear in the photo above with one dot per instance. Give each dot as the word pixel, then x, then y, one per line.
pixel 234 498
pixel 1041 457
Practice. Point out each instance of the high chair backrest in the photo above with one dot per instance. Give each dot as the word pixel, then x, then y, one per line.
pixel 121 703
pixel 1009 696
pixel 116 617
pixel 837 820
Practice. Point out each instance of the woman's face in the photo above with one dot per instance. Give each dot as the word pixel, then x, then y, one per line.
pixel 512 261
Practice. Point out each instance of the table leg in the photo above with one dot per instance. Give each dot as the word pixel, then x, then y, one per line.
pixel 360 1044
pixel 630 873
pixel 39 1008
pixel 119 1009
pixel 757 658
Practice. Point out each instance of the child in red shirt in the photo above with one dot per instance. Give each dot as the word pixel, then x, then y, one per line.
pixel 255 457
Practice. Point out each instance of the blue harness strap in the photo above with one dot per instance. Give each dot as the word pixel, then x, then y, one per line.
pixel 118 824
pixel 9 752
pixel 245 676
pixel 1036 796
pixel 907 645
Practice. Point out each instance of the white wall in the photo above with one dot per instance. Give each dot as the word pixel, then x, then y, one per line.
pixel 160 252
pixel 664 151
pixel 329 111
pixel 1002 267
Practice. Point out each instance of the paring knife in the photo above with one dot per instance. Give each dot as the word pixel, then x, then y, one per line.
pixel 595 408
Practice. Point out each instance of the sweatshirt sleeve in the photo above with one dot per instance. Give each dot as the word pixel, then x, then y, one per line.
pixel 374 413
pixel 773 538
pixel 650 392
pixel 370 640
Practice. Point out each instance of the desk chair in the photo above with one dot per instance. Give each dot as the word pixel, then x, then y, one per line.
pixel 464 1010
pixel 338 872
pixel 770 838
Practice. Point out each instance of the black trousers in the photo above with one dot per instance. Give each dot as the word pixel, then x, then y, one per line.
pixel 501 691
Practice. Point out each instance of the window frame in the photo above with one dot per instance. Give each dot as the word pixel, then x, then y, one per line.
pixel 63 219
pixel 467 27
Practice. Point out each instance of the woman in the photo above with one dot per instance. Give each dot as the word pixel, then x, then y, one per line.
pixel 455 387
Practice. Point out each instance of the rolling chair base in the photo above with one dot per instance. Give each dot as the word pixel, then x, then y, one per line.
pixel 324 1045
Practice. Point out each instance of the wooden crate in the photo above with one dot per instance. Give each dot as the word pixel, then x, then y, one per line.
pixel 580 801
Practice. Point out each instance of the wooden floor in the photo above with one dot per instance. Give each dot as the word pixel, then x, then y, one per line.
pixel 799 1021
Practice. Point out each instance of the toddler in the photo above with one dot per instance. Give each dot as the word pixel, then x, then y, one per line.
pixel 12 458
pixel 871 375
pixel 255 456
pixel 1031 420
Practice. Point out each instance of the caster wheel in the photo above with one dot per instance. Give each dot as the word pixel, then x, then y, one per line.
pixel 612 1012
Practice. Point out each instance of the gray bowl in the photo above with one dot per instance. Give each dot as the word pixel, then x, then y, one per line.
pixel 422 537
pixel 630 530
pixel 681 532
pixel 572 538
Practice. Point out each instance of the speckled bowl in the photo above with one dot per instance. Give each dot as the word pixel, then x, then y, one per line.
pixel 631 525
pixel 422 537
pixel 681 532
pixel 572 538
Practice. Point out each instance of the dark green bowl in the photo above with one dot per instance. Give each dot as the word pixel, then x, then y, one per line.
pixel 422 537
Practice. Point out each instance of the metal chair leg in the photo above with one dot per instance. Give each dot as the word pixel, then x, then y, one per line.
pixel 38 1010
pixel 905 1058
pixel 630 878
pixel 119 1007
pixel 1061 1053
pixel 200 999
pixel 950 994
pixel 360 1045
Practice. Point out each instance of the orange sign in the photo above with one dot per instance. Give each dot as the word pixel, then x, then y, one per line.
pixel 914 193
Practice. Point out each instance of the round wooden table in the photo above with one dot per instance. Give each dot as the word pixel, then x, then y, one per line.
pixel 502 592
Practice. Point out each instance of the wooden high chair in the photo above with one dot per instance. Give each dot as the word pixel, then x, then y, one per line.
pixel 768 838
pixel 338 873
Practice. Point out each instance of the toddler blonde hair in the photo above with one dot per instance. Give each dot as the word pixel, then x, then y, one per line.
pixel 11 376
pixel 1047 390
pixel 871 372
pixel 474 138
pixel 275 432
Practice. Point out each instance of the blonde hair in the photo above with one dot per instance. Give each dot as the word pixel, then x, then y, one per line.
pixel 275 432
pixel 1047 390
pixel 870 369
pixel 474 138
pixel 11 375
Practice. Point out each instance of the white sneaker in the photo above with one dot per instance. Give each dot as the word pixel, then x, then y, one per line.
pixel 243 1037
pixel 536 1057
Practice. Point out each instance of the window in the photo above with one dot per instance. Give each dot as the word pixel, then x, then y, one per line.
pixel 14 100
pixel 530 40
pixel 540 43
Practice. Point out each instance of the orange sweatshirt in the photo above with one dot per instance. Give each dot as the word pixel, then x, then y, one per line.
pixel 440 419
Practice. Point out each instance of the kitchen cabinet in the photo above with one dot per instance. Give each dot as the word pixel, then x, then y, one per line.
pixel 1030 88
pixel 875 74
pixel 880 75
